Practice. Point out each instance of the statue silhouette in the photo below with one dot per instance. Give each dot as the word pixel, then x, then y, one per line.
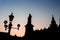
pixel 30 34
pixel 29 28
pixel 29 19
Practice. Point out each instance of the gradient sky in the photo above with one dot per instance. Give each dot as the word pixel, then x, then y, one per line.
pixel 41 11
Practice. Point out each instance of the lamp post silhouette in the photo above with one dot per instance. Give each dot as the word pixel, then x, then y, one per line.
pixel 9 26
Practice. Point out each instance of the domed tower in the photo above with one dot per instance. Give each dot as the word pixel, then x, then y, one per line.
pixel 29 26
pixel 53 25
pixel 53 22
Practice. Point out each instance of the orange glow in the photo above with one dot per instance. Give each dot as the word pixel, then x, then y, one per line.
pixel 19 33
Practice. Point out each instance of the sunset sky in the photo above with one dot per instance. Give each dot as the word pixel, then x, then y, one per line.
pixel 41 11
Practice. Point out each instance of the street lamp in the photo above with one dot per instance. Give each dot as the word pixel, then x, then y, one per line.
pixel 9 26
pixel 18 26
pixel 5 24
pixel 11 17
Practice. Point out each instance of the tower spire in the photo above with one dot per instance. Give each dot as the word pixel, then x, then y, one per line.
pixel 52 17
pixel 53 20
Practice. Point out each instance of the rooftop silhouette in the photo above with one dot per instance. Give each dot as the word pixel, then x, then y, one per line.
pixel 30 34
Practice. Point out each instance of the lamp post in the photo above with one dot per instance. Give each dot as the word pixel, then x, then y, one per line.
pixel 9 26
pixel 5 24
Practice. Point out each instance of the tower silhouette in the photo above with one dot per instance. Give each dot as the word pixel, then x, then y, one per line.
pixel 53 25
pixel 29 26
pixel 29 33
pixel 59 26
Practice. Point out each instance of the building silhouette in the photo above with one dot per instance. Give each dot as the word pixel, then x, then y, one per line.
pixel 30 34
pixel 59 26
pixel 53 25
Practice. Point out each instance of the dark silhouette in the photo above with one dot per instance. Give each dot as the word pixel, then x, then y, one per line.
pixel 30 34
pixel 18 26
pixel 5 24
pixel 11 17
pixel 59 26
pixel 10 26
pixel 53 25
pixel 29 28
